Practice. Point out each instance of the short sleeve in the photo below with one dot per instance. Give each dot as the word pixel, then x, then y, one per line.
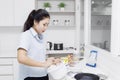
pixel 24 41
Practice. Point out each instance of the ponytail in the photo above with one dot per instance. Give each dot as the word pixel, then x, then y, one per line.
pixel 29 22
pixel 36 15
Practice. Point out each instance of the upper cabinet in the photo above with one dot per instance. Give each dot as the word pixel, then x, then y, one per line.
pixel 15 12
pixel 101 23
pixel 62 13
pixel 6 13
pixel 22 8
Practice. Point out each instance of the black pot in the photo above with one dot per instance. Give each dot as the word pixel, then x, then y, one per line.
pixel 86 76
pixel 58 46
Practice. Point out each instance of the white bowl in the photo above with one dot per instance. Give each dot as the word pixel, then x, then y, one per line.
pixel 58 71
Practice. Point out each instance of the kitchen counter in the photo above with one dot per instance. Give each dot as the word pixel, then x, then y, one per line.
pixel 107 62
pixel 60 51
pixel 80 66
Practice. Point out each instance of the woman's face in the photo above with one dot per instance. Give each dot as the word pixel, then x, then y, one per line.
pixel 42 25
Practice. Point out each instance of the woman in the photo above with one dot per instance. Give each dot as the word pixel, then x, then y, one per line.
pixel 31 49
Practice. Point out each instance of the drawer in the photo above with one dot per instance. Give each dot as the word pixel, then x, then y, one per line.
pixel 6 77
pixel 6 70
pixel 6 61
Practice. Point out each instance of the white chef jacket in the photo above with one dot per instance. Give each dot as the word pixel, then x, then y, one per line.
pixel 36 50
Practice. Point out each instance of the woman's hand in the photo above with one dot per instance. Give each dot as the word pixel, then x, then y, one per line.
pixel 57 61
pixel 52 61
pixel 51 58
pixel 49 62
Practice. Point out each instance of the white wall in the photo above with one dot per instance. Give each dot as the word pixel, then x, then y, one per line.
pixel 65 36
pixel 115 28
pixel 8 41
pixel 9 37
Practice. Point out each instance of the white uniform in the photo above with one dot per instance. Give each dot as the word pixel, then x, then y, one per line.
pixel 36 50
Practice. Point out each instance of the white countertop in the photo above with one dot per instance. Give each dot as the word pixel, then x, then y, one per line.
pixel 81 67
pixel 60 51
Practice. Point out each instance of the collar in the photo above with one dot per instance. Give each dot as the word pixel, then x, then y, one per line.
pixel 34 33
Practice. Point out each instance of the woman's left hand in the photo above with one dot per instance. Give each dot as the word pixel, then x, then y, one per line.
pixel 57 60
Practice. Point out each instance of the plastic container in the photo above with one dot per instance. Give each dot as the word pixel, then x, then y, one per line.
pixel 92 59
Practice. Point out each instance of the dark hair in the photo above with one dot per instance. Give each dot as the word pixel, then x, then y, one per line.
pixel 36 15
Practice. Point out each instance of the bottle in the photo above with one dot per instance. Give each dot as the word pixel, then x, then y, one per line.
pixel 82 50
pixel 92 59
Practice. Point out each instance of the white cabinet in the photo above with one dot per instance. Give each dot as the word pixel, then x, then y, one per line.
pixel 6 69
pixel 101 25
pixel 15 12
pixel 6 78
pixel 6 13
pixel 22 9
pixel 9 68
pixel 15 69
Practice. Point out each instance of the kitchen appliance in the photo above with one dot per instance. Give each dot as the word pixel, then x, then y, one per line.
pixel 86 76
pixel 58 46
pixel 49 45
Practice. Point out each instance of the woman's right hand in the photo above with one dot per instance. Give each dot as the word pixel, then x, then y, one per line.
pixel 52 61
pixel 49 62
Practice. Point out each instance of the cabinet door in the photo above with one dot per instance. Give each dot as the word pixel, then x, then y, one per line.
pixel 6 69
pixel 22 10
pixel 6 13
pixel 15 69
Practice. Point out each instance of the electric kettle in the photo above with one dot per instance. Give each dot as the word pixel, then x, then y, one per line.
pixel 49 45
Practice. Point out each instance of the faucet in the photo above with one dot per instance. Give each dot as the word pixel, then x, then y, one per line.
pixel 105 45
